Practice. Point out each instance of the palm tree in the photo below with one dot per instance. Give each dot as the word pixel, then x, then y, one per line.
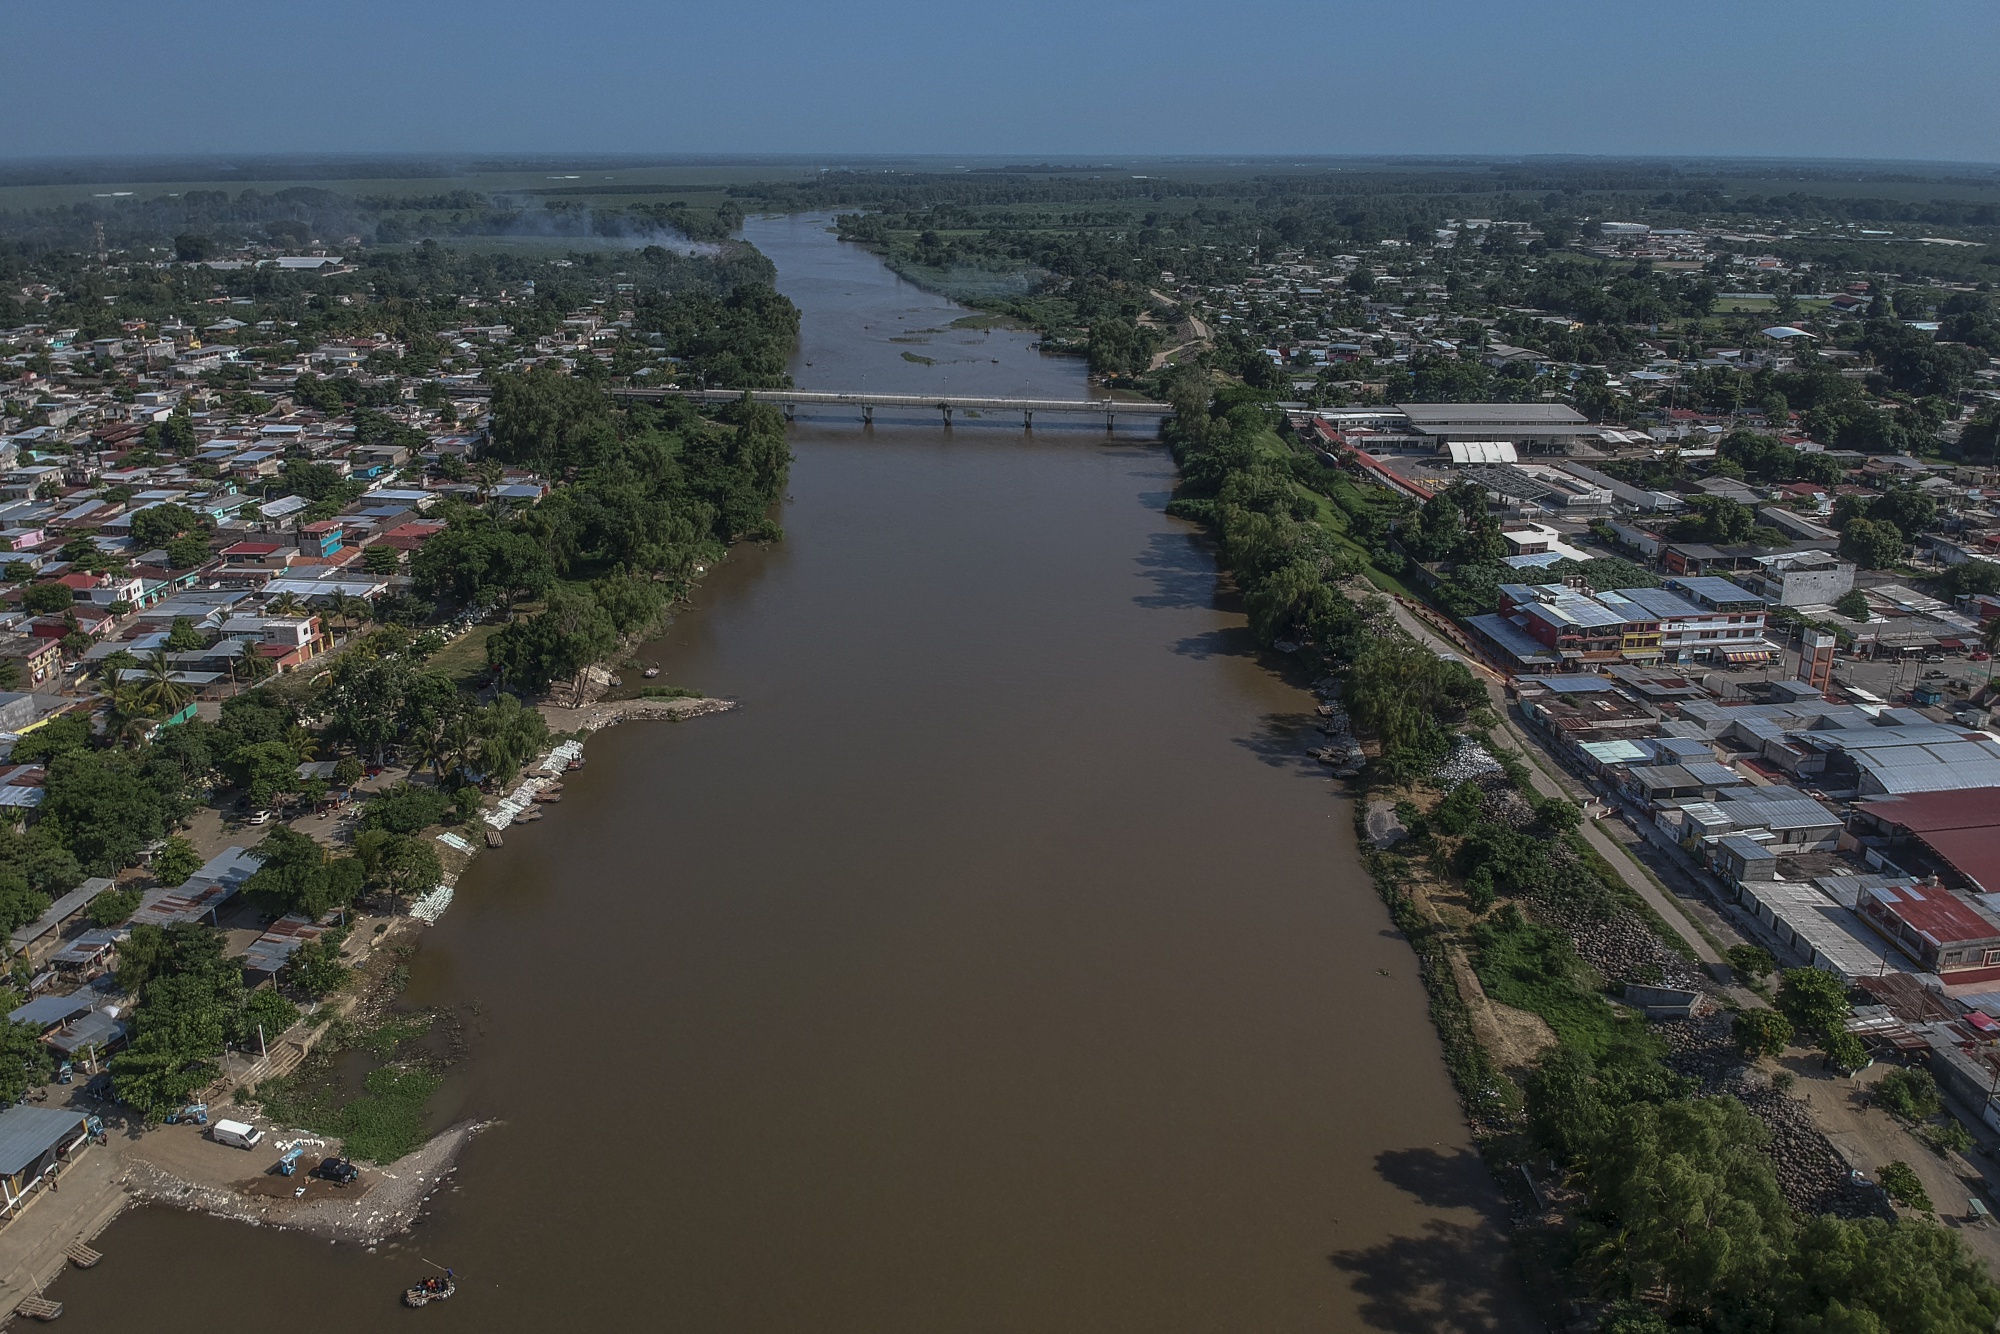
pixel 286 604
pixel 161 695
pixel 1989 636
pixel 490 472
pixel 354 611
pixel 254 664
pixel 303 743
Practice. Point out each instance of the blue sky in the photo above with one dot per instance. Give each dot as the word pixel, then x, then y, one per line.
pixel 1828 78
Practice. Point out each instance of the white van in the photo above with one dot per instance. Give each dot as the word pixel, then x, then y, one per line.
pixel 236 1134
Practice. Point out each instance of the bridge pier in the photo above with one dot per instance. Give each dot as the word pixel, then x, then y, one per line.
pixel 868 414
pixel 1109 419
pixel 791 411
pixel 946 409
pixel 1027 420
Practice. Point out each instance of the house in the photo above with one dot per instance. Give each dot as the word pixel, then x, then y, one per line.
pixel 1936 929
pixel 36 660
pixel 1799 578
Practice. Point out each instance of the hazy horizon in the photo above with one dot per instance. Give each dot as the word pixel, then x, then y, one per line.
pixel 1837 81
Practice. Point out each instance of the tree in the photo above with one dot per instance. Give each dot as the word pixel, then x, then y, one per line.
pixel 570 634
pixel 186 551
pixel 1752 961
pixel 112 906
pixel 25 1060
pixel 46 599
pixel 381 558
pixel 19 904
pixel 299 875
pixel 160 694
pixel 106 806
pixel 1762 1033
pixel 175 862
pixel 52 739
pixel 192 248
pixel 405 809
pixel 251 664
pixel 1814 1001
pixel 155 525
pixel 399 863
pixel 1900 1180
pixel 347 771
pixel 1872 544
pixel 267 1011
pixel 1907 1277
pixel 315 968
pixel 1694 1198
pixel 1853 604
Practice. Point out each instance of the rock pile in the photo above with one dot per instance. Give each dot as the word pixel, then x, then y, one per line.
pixel 1813 1176
pixel 1468 759
pixel 1621 947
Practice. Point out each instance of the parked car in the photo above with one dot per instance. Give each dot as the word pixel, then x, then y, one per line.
pixel 337 1170
pixel 258 817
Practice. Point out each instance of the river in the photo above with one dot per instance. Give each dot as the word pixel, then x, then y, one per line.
pixel 1001 965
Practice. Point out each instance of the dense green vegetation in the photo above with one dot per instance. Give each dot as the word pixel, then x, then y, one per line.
pixel 650 493
pixel 381 1121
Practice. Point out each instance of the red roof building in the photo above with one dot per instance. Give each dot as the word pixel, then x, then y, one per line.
pixel 1945 933
pixel 1960 829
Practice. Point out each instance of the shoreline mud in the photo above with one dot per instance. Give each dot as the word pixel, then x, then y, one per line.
pixel 393 1198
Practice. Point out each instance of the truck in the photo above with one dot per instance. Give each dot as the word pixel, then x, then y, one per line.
pixel 236 1134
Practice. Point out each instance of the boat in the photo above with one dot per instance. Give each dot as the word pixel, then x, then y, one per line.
pixel 650 673
pixel 435 1288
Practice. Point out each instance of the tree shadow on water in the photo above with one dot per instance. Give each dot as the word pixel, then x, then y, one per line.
pixel 1454 1180
pixel 1230 642
pixel 1282 740
pixel 1182 574
pixel 1450 1279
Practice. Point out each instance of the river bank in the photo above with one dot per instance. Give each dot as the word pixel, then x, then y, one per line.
pixel 1001 963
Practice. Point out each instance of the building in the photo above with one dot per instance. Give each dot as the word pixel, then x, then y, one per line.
pixel 1729 620
pixel 34 1143
pixel 1799 578
pixel 1530 427
pixel 36 660
pixel 1691 631
pixel 1938 930
pixel 1581 628
pixel 1955 832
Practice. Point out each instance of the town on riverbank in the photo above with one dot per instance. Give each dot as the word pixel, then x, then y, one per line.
pixel 301 612
pixel 1694 862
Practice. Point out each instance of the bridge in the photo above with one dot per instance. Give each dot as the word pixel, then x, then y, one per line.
pixel 791 400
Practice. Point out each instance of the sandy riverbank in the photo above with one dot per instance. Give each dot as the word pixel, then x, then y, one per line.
pixel 599 714
pixel 384 1202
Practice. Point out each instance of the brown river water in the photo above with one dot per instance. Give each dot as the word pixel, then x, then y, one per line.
pixel 1001 965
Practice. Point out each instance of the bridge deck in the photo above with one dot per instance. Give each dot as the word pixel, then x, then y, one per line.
pixel 803 398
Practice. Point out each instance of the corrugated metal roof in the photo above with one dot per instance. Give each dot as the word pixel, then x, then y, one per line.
pixel 1575 685
pixel 96 1029
pixel 71 902
pixel 1615 752
pixel 269 952
pixel 48 1011
pixel 26 1133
